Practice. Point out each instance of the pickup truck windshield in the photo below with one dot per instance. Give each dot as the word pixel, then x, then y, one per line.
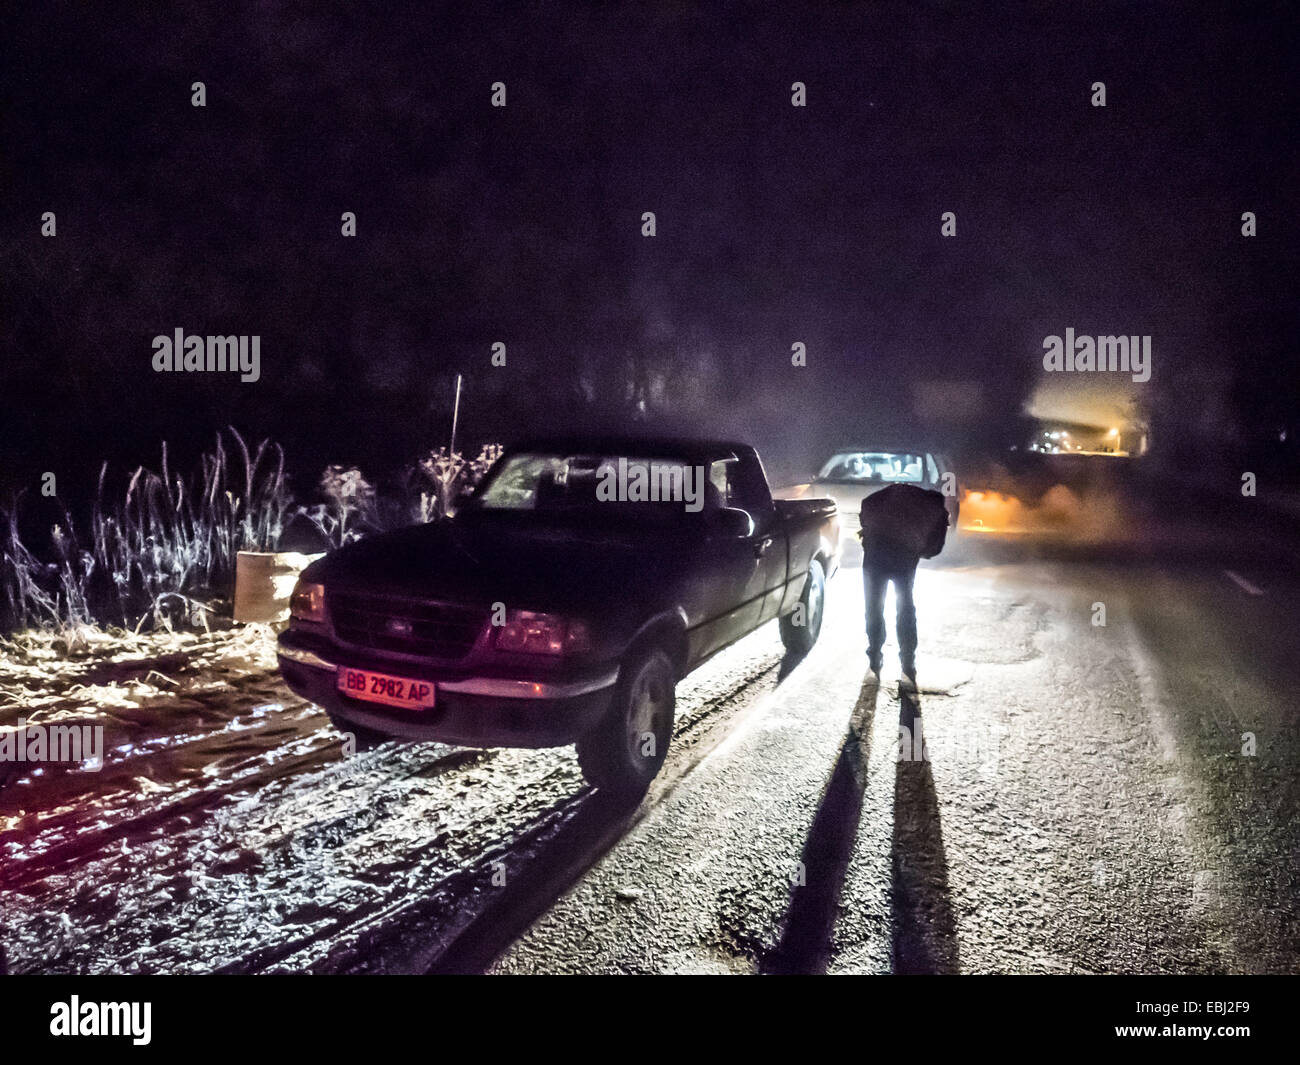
pixel 874 467
pixel 598 486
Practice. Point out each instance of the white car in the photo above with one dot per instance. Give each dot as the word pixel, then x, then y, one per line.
pixel 852 474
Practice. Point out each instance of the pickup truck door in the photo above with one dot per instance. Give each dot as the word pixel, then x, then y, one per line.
pixel 728 593
pixel 729 605
pixel 769 545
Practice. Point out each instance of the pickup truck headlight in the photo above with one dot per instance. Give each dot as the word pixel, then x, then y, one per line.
pixel 307 603
pixel 544 634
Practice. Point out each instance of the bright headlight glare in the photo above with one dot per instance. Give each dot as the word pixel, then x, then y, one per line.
pixel 528 632
pixel 307 603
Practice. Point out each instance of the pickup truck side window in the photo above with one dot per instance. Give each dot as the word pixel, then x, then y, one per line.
pixel 721 482
pixel 616 487
pixel 747 489
pixel 932 469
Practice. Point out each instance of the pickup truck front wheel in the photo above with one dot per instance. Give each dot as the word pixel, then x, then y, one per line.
pixel 801 627
pixel 624 752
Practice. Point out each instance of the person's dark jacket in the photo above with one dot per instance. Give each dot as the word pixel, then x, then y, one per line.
pixel 903 519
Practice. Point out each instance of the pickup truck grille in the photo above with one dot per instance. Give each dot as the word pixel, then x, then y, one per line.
pixel 435 630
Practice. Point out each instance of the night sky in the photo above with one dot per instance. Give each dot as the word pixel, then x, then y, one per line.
pixel 522 224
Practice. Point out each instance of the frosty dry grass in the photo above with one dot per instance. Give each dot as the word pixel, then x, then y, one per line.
pixel 442 475
pixel 167 547
pixel 157 553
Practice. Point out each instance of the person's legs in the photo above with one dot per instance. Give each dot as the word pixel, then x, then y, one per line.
pixel 874 582
pixel 904 578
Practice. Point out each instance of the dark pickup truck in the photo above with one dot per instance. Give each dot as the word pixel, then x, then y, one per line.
pixel 562 602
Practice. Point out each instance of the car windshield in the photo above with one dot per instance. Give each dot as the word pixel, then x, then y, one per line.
pixel 597 486
pixel 874 467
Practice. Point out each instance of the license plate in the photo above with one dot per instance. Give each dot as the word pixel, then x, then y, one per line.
pixel 381 688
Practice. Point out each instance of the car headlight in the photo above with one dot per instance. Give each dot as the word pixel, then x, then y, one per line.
pixel 307 603
pixel 545 634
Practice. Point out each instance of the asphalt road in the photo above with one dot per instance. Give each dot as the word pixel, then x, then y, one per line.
pixel 1092 798
pixel 1083 805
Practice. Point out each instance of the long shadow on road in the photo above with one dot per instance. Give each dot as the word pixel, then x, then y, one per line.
pixel 805 945
pixel 924 927
pixel 924 936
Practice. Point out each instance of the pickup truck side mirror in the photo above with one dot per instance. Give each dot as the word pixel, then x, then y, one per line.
pixel 732 523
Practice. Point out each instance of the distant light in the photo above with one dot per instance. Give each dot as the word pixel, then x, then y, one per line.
pixel 1113 432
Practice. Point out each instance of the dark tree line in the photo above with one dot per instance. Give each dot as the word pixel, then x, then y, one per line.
pixel 522 224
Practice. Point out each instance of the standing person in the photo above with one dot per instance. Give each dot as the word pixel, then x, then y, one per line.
pixel 901 525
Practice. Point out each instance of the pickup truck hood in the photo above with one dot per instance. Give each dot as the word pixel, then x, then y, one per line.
pixel 493 560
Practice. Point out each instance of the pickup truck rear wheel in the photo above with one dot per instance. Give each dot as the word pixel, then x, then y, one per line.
pixel 624 752
pixel 799 639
